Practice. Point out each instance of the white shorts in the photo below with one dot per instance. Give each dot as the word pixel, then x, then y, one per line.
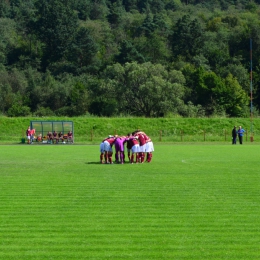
pixel 142 148
pixel 135 148
pixel 149 147
pixel 107 147
pixel 29 137
pixel 101 147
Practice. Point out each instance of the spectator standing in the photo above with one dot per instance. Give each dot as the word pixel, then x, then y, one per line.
pixel 32 135
pixel 28 134
pixel 234 135
pixel 240 134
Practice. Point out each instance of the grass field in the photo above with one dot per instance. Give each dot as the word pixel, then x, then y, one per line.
pixel 191 202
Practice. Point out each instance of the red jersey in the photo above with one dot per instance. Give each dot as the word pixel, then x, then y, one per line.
pixel 147 138
pixel 110 140
pixel 28 132
pixel 141 138
pixel 131 142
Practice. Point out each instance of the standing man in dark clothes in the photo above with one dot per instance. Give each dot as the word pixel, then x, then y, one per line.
pixel 234 135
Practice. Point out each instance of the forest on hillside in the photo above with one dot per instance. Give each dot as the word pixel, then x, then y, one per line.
pixel 151 58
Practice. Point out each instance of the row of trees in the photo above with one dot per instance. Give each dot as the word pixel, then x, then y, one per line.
pixel 140 57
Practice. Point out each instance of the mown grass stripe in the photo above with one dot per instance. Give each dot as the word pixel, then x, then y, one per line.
pixel 191 202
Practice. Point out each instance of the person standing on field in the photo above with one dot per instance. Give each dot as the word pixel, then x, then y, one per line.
pixel 28 134
pixel 240 134
pixel 119 146
pixel 102 152
pixel 142 144
pixel 134 144
pixel 108 143
pixel 234 135
pixel 149 148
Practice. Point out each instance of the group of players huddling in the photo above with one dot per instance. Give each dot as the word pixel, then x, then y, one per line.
pixel 138 144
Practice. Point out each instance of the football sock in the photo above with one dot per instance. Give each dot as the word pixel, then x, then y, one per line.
pixel 116 156
pixel 122 157
pixel 137 158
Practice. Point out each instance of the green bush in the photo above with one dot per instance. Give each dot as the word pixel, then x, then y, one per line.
pixel 42 111
pixel 18 110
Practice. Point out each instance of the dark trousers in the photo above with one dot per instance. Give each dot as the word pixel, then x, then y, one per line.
pixel 240 139
pixel 234 140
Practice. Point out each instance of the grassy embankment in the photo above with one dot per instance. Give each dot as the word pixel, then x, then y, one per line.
pixel 92 130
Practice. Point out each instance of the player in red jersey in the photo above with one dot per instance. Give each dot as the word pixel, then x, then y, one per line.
pixel 102 152
pixel 108 143
pixel 134 146
pixel 142 144
pixel 149 148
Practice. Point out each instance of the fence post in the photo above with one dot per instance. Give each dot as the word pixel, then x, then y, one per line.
pixel 246 134
pixel 115 132
pixel 204 132
pixel 160 136
pixel 181 135
pixel 225 135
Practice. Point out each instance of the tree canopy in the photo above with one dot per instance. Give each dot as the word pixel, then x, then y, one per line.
pixel 120 57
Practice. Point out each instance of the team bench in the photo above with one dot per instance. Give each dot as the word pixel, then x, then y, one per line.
pixel 45 128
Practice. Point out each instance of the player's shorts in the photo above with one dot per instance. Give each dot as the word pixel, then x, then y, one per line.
pixel 107 147
pixel 135 148
pixel 29 137
pixel 149 147
pixel 142 148
pixel 102 147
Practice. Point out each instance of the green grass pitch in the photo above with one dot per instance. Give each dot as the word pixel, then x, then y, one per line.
pixel 191 202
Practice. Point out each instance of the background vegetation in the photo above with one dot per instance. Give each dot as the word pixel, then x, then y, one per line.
pixel 93 130
pixel 153 58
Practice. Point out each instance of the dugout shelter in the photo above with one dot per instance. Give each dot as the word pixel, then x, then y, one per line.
pixel 43 127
